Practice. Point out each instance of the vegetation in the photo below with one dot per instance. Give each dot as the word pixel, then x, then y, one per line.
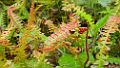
pixel 59 33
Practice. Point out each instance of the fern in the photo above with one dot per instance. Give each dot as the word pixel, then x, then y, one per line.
pixel 114 60
pixel 117 7
pixel 15 21
pixel 102 56
pixel 99 25
pixel 110 27
pixel 3 16
pixel 18 4
pixel 59 35
pixel 62 33
pixel 79 11
pixel 115 44
pixel 3 20
pixel 5 36
pixel 85 16
pixel 31 20
pixel 51 26
pixel 30 34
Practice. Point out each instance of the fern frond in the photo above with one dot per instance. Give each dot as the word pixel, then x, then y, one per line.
pixel 87 17
pixel 28 37
pixel 79 11
pixel 114 60
pixel 117 7
pixel 3 16
pixel 7 32
pixel 3 20
pixel 14 19
pixel 18 4
pixel 31 20
pixel 15 22
pixel 62 33
pixel 6 35
pixel 72 50
pixel 51 26
pixel 110 27
pixel 4 42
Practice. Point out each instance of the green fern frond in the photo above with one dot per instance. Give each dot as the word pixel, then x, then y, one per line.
pixel 18 21
pixel 15 22
pixel 3 20
pixel 67 6
pixel 114 60
pixel 3 7
pixel 18 4
pixel 117 8
pixel 28 36
pixel 87 17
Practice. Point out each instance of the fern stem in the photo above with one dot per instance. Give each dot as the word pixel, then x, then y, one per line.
pixel 87 48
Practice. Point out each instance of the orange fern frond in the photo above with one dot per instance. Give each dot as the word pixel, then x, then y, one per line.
pixel 4 42
pixel 61 34
pixel 6 33
pixel 110 27
pixel 50 48
pixel 15 21
pixel 51 26
pixel 31 19
pixel 11 14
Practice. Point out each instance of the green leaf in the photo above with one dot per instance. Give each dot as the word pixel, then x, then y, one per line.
pixel 100 24
pixel 83 58
pixel 25 14
pixel 68 61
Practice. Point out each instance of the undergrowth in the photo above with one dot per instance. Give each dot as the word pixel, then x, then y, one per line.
pixel 59 33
